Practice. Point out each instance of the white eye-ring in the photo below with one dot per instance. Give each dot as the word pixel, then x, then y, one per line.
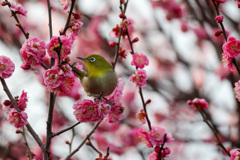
pixel 92 59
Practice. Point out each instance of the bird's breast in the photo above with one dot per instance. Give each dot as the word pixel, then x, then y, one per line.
pixel 95 84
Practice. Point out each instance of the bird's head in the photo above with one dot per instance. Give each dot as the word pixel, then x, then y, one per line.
pixel 95 62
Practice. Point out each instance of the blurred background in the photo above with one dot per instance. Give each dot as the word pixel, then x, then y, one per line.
pixel 185 62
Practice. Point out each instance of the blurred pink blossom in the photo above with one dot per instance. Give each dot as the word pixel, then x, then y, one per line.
pixel 198 103
pixel 141 116
pixel 156 136
pixel 232 47
pixel 143 135
pixel 64 4
pixel 76 26
pixel 235 154
pixel 18 9
pixel 227 62
pixel 7 67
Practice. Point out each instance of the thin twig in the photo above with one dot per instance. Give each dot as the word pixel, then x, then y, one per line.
pixel 92 146
pixel 26 34
pixel 213 130
pixel 70 145
pixel 26 143
pixel 161 148
pixel 86 138
pixel 64 130
pixel 119 37
pixel 69 17
pixel 145 109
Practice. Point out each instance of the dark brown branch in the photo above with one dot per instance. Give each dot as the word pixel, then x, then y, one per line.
pixel 92 146
pixel 85 139
pixel 49 123
pixel 64 130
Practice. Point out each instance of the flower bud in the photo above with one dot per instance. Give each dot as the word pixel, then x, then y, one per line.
pixel 157 149
pixel 122 16
pixel 135 40
pixel 7 103
pixel 18 131
pixel 218 33
pixel 25 66
pixel 148 101
pixel 219 19
pixel 112 44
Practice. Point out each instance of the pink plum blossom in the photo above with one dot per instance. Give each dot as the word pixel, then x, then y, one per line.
pixel 67 84
pixel 89 111
pixel 7 67
pixel 64 4
pixel 156 136
pixel 139 78
pixel 143 135
pixel 22 103
pixel 116 114
pixel 76 26
pixel 18 9
pixel 198 103
pixel 33 51
pixel 103 144
pixel 235 154
pixel 153 156
pixel 139 60
pixel 232 47
pixel 52 78
pixel 18 119
pixel 54 45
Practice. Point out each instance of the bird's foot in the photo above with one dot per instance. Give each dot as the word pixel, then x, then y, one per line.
pixel 109 102
pixel 98 97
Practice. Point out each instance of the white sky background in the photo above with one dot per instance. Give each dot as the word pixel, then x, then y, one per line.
pixel 140 11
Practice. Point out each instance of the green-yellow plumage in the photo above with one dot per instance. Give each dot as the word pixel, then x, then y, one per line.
pixel 101 77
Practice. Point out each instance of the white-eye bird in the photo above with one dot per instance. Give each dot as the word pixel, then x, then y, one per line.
pixel 101 79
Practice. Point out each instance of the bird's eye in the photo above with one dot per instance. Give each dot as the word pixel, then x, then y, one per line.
pixel 92 59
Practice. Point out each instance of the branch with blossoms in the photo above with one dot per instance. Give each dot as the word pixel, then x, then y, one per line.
pixel 200 105
pixel 156 136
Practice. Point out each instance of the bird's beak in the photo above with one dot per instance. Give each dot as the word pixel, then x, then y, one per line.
pixel 84 59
